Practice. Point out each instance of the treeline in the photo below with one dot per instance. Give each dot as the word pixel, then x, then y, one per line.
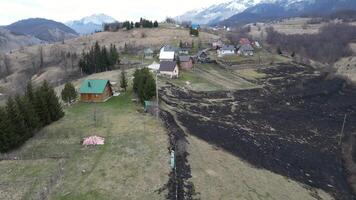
pixel 328 46
pixel 345 15
pixel 24 115
pixel 143 23
pixel 99 59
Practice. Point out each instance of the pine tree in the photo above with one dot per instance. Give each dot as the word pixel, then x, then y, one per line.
pixel 155 24
pixel 5 134
pixel 41 107
pixel 69 94
pixel 123 80
pixel 28 113
pixel 52 102
pixel 17 126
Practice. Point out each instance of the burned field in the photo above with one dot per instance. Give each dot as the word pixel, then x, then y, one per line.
pixel 291 126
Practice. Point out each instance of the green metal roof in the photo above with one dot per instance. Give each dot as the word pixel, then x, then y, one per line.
pixel 95 86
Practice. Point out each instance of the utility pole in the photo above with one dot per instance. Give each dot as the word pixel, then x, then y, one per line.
pixel 157 107
pixel 342 129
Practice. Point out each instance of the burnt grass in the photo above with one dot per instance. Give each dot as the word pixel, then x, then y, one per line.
pixel 290 127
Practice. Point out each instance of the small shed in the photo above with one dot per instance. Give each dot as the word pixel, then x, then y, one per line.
pixel 169 68
pixel 186 62
pixel 148 53
pixel 95 90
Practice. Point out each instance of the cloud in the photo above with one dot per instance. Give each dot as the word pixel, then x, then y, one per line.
pixel 66 10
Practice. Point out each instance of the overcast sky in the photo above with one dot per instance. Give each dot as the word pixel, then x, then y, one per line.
pixel 65 10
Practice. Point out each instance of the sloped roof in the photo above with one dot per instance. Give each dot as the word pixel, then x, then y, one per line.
pixel 167 66
pixel 184 58
pixel 246 47
pixel 166 55
pixel 228 48
pixel 93 86
pixel 154 66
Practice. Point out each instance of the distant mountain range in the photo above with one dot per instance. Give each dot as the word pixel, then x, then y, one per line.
pixel 43 29
pixel 245 11
pixel 90 24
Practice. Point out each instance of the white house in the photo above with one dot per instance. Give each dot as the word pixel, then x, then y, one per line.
pixel 169 68
pixel 226 50
pixel 167 56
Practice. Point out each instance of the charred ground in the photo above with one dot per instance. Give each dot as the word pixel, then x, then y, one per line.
pixel 291 126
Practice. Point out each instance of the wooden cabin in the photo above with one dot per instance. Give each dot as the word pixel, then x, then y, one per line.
pixel 95 90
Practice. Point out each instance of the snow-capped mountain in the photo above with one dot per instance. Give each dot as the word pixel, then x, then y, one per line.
pixel 223 11
pixel 90 24
pixel 217 12
pixel 288 8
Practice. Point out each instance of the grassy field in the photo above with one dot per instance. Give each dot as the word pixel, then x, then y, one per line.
pixel 260 57
pixel 217 174
pixel 132 164
pixel 211 77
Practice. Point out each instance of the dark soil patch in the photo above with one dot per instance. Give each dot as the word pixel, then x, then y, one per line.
pixel 291 127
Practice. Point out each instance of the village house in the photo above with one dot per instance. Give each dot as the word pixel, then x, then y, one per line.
pixel 186 62
pixel 95 90
pixel 195 26
pixel 168 53
pixel 246 50
pixel 185 48
pixel 148 53
pixel 202 57
pixel 244 41
pixel 226 50
pixel 169 68
pixel 217 45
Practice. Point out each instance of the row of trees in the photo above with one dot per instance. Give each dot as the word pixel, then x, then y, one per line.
pixel 144 84
pixel 128 25
pixel 24 115
pixel 328 46
pixel 99 59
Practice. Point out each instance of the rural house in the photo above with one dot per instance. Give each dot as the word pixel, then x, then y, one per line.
pixel 226 50
pixel 168 53
pixel 217 45
pixel 148 53
pixel 169 68
pixel 185 48
pixel 202 57
pixel 186 62
pixel 246 50
pixel 244 41
pixel 95 90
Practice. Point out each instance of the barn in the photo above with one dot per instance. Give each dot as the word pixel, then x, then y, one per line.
pixel 95 90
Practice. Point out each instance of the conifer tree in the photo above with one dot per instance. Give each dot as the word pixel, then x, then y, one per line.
pixel 17 127
pixel 69 93
pixel 123 80
pixel 5 134
pixel 28 113
pixel 52 102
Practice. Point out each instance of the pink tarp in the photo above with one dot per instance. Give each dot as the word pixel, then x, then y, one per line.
pixel 93 140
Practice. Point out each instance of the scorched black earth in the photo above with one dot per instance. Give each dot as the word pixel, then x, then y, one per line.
pixel 291 126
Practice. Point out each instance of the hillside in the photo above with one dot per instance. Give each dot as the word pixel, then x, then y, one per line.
pixel 24 63
pixel 10 41
pixel 43 29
